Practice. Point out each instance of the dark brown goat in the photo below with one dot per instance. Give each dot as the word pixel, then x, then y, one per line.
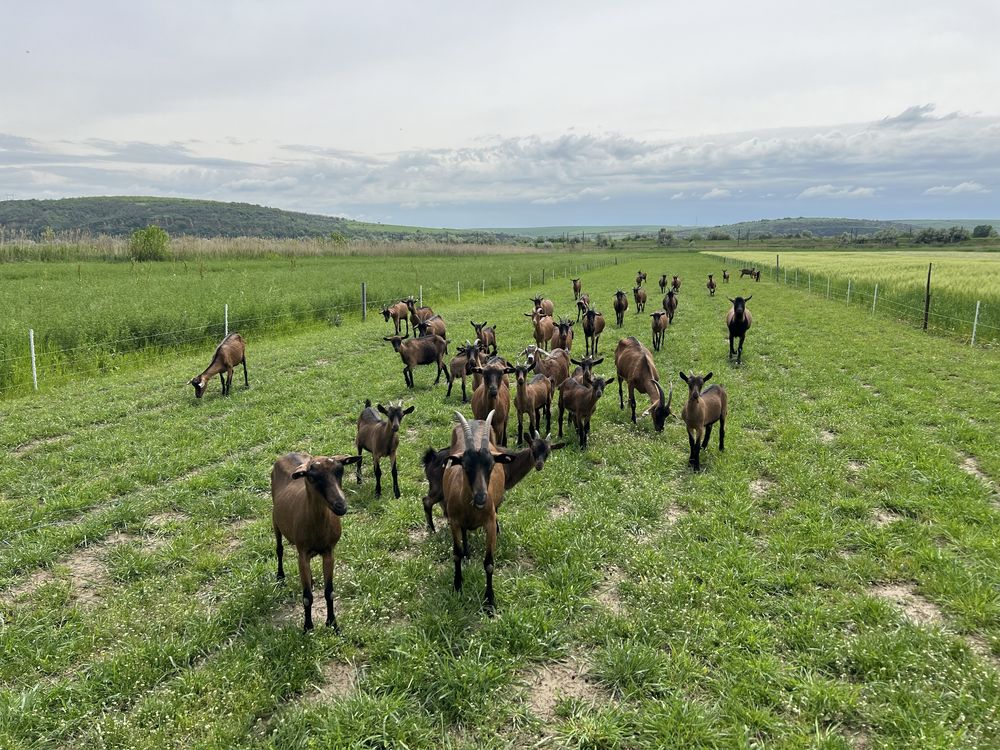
pixel 660 320
pixel 432 326
pixel 582 305
pixel 307 504
pixel 380 437
pixel 492 396
pixel 562 338
pixel 640 299
pixel 663 283
pixel 738 321
pixel 711 286
pixel 635 367
pixel 577 288
pixel 640 278
pixel 670 305
pixel 703 409
pixel 725 276
pixel 621 305
pixel 232 351
pixel 748 272
pixel 473 487
pixel 425 350
pixel 584 372
pixel 546 304
pixel 593 327
pixel 533 398
pixel 676 284
pixel 398 313
pixel 581 402
pixel 487 336
pixel 461 366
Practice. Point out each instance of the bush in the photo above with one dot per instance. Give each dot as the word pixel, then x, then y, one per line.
pixel 983 230
pixel 718 235
pixel 664 238
pixel 148 244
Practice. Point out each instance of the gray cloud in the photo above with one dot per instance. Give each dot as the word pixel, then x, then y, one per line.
pixel 963 187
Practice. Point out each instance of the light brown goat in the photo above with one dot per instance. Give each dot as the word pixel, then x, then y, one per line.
pixel 398 314
pixel 660 320
pixel 553 364
pixel 640 299
pixel 546 304
pixel 544 327
pixel 533 398
pixel 702 409
pixel 432 326
pixel 417 314
pixel 228 354
pixel 635 367
pixel 307 504
pixel 486 335
pixel 577 288
pixel 493 397
pixel 380 437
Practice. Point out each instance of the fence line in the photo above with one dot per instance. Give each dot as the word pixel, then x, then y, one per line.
pixel 945 323
pixel 167 339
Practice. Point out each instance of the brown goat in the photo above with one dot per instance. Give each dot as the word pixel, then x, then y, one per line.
pixel 582 305
pixel 640 299
pixel 461 367
pixel 553 364
pixel 544 327
pixel 738 321
pixel 660 320
pixel 635 366
pixel 307 504
pixel 725 276
pixel 425 350
pixel 228 354
pixel 663 283
pixel 546 304
pixel 417 314
pixel 581 402
pixel 711 286
pixel 486 335
pixel 493 397
pixel 670 305
pixel 577 288
pixel 432 326
pixel 593 327
pixel 676 284
pixel 473 490
pixel 621 305
pixel 532 398
pixel 398 313
pixel 380 437
pixel 640 278
pixel 562 338
pixel 703 409
pixel 584 372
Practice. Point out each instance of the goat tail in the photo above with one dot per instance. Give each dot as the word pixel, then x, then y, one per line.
pixel 429 455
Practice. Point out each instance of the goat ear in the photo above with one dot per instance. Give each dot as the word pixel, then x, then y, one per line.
pixel 348 460
pixel 300 471
pixel 610 380
pixel 707 378
pixel 597 361
pixel 748 298
pixel 684 377
pixel 557 446
pixel 381 409
pixel 408 410
pixel 494 327
pixel 576 362
pixel 386 338
pixel 732 300
pixel 503 458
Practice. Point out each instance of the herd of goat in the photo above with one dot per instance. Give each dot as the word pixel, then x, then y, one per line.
pixel 470 477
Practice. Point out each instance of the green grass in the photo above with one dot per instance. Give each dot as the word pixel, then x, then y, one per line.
pixel 703 610
pixel 958 281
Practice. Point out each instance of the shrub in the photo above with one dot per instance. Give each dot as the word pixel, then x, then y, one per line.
pixel 148 244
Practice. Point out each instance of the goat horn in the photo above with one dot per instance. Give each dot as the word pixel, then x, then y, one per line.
pixel 466 428
pixel 486 432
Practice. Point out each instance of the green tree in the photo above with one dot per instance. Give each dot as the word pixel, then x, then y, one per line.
pixel 148 244
pixel 983 230
pixel 664 238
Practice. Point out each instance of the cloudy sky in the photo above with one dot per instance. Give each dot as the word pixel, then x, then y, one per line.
pixel 510 114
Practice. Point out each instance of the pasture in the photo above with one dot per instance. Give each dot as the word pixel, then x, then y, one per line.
pixel 830 581
pixel 958 281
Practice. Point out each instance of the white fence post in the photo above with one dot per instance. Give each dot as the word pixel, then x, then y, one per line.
pixel 810 283
pixel 786 275
pixel 975 325
pixel 364 301
pixel 484 286
pixel 34 371
pixel 875 298
pixel 459 290
pixel 848 291
pixel 828 287
pixel 225 314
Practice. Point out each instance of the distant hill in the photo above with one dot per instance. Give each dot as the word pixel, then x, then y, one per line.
pixel 121 215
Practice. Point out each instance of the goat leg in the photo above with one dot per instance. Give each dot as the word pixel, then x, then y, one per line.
pixel 708 434
pixel 359 465
pixel 331 618
pixel 428 513
pixel 305 578
pixel 722 434
pixel 465 543
pixel 378 477
pixel 395 479
pixel 246 378
pixel 491 544
pixel 280 552
pixel 456 553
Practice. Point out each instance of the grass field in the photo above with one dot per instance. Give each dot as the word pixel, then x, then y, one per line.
pixel 87 315
pixel 830 581
pixel 958 281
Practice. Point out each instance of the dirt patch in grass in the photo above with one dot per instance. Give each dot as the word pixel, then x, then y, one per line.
pixel 607 590
pixel 760 487
pixel 234 534
pixel 26 448
pixel 88 568
pixel 859 739
pixel 337 680
pixel 551 683
pixel 827 436
pixel 563 507
pixel 971 467
pixel 981 648
pixel 882 517
pixel 32 583
pixel 673 513
pixel 904 596
pixel 165 519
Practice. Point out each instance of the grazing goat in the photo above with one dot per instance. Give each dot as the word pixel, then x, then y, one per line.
pixel 544 327
pixel 584 372
pixel 546 304
pixel 676 284
pixel 398 313
pixel 492 396
pixel 228 354
pixel 640 278
pixel 748 272
pixel 582 305
pixel 621 305
pixel 660 320
pixel 577 288
pixel 563 336
pixel 580 400
pixel 534 455
pixel 670 305
pixel 711 286
pixel 307 503
pixel 635 367
pixel 553 364
pixel 380 437
pixel 738 321
pixel 725 276
pixel 417 314
pixel 473 487
pixel 486 335
pixel 593 327
pixel 425 350
pixel 461 366
pixel 663 283
pixel 756 275
pixel 432 326
pixel 533 398
pixel 640 299
pixel 702 409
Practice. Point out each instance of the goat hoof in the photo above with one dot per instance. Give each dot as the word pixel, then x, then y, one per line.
pixel 280 577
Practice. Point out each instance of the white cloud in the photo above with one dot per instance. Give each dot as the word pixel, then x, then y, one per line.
pixel 678 196
pixel 963 187
pixel 829 191
pixel 716 193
